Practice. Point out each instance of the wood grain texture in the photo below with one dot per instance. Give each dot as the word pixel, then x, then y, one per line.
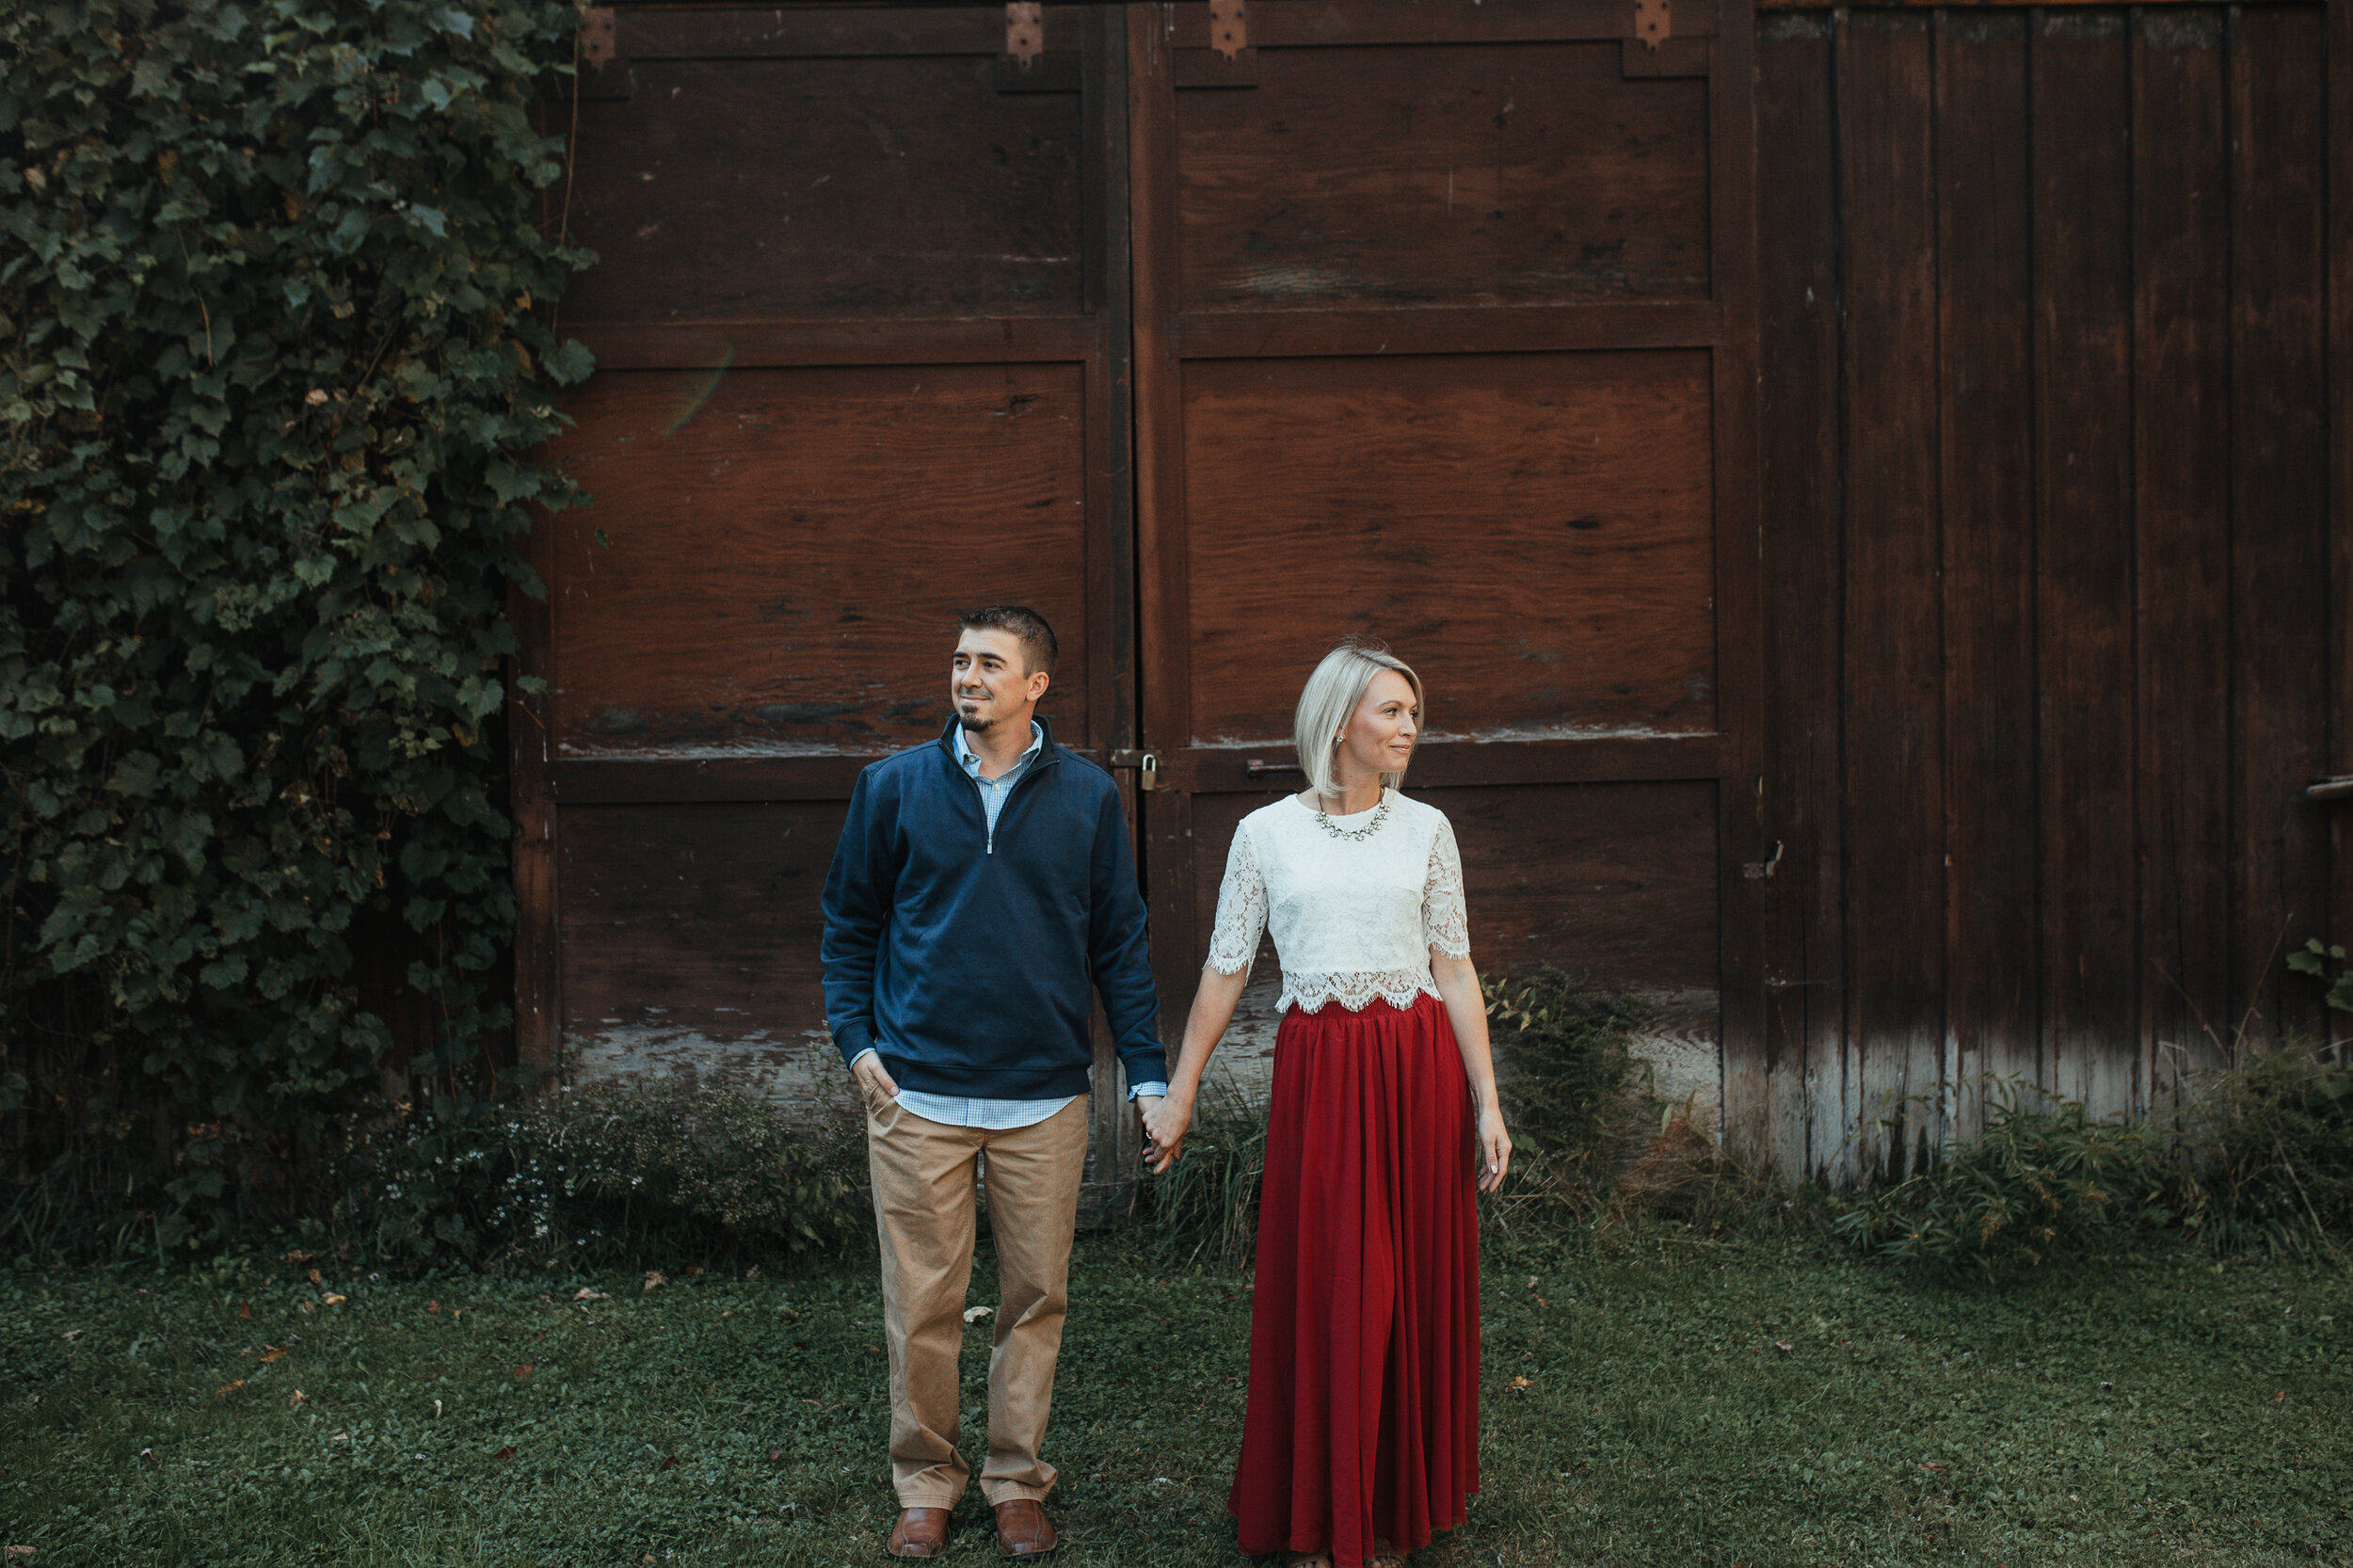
pixel 1808 1083
pixel 775 559
pixel 1451 174
pixel 2083 398
pixel 1743 847
pixel 2340 361
pixel 1893 653
pixel 1333 496
pixel 1307 24
pixel 530 747
pixel 866 187
pixel 1985 449
pixel 700 918
pixel 2182 485
pixel 2278 545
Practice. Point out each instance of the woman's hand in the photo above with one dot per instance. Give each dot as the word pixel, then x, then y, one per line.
pixel 1494 1147
pixel 1165 1119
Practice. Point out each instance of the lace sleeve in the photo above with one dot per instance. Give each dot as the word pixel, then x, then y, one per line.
pixel 1241 908
pixel 1444 923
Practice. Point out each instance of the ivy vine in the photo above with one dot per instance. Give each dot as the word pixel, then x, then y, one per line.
pixel 273 353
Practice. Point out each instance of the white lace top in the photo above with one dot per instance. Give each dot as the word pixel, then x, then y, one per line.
pixel 1353 917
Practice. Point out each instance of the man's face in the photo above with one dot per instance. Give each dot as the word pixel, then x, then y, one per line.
pixel 990 681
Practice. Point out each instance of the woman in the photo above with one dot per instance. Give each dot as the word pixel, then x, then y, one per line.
pixel 1361 1431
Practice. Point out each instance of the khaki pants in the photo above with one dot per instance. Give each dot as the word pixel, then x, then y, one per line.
pixel 923 1207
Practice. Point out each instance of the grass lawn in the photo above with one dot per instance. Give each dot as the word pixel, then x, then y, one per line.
pixel 1759 1403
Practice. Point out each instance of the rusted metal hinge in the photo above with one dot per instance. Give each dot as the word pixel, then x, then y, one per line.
pixel 1651 23
pixel 1229 32
pixel 596 35
pixel 1025 31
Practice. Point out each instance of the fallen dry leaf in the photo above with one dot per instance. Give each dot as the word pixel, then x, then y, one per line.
pixel 655 1278
pixel 1523 1383
pixel 1931 1465
pixel 774 1454
pixel 299 1399
pixel 728 1313
pixel 584 1294
pixel 1784 1346
pixel 245 1309
pixel 72 1334
pixel 693 1271
pixel 975 1314
pixel 333 1300
pixel 507 1452
pixel 669 1463
pixel 296 1256
pixel 272 1353
pixel 433 1306
pixel 315 1277
pixel 228 1387
pixel 752 1272
pixel 306 1306
pixel 1531 1282
pixel 19 1551
pixel 523 1370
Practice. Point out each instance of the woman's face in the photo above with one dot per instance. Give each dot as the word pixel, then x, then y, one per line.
pixel 1381 732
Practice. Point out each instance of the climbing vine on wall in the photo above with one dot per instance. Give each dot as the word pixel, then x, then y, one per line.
pixel 274 350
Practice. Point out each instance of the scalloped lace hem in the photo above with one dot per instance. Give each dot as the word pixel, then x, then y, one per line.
pixel 1356 991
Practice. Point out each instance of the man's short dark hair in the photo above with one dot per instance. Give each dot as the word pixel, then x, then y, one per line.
pixel 1038 648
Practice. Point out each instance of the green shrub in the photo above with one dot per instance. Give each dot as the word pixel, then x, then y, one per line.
pixel 2044 1181
pixel 620 1170
pixel 2264 1155
pixel 273 353
pixel 2257 1156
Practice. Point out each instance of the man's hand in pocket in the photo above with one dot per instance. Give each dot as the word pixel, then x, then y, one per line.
pixel 874 1082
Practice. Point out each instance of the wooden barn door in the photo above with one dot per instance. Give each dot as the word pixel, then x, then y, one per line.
pixel 860 324
pixel 1444 334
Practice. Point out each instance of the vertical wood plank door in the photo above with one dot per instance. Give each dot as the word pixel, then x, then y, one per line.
pixel 1443 334
pixel 861 321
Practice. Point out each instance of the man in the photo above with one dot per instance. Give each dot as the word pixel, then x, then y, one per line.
pixel 983 891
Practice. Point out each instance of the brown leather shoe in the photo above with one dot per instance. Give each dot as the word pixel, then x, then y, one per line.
pixel 921 1532
pixel 1023 1530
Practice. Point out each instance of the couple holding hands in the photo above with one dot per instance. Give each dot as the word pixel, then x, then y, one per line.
pixel 981 894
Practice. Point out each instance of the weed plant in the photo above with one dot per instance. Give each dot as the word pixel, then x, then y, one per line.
pixel 2254 1156
pixel 601 1173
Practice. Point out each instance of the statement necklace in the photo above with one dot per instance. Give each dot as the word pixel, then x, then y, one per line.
pixel 1380 815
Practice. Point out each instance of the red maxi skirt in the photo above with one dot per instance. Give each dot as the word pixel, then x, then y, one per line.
pixel 1363 1413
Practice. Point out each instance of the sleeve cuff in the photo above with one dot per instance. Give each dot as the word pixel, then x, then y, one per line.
pixel 862 1056
pixel 1158 1090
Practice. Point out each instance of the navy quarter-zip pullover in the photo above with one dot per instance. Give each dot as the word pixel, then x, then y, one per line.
pixel 971 966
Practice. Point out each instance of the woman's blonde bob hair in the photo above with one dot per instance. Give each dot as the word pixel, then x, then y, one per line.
pixel 1329 700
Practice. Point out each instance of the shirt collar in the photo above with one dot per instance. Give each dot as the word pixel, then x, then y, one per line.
pixel 971 759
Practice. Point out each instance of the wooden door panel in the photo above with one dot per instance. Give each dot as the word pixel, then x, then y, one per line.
pixel 1454 174
pixel 1534 533
pixel 690 938
pixel 742 188
pixel 1444 332
pixel 774 556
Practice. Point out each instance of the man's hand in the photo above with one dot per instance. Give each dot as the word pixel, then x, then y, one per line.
pixel 1166 1120
pixel 873 1082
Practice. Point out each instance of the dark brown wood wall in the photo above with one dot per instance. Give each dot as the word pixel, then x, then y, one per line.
pixel 2052 646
